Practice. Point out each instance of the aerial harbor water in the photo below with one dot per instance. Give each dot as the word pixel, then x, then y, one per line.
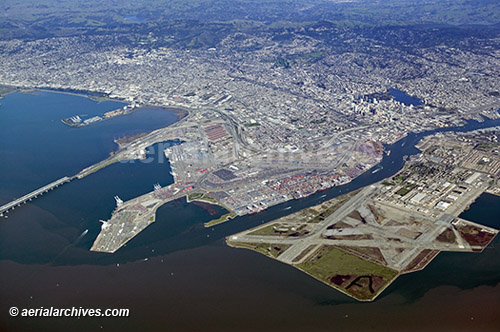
pixel 176 262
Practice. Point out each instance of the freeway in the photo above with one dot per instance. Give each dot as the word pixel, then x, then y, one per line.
pixel 334 138
pixel 235 131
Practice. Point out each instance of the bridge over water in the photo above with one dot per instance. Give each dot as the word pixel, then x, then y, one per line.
pixel 28 197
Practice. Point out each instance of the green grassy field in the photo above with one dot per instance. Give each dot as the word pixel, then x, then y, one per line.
pixel 224 218
pixel 330 261
pixel 267 230
pixel 201 197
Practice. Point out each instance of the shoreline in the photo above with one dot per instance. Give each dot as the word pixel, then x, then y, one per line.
pixel 8 89
pixel 180 111
pixel 339 289
pixel 86 94
pixel 123 141
pixel 222 219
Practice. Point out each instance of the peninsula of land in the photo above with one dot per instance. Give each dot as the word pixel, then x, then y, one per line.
pixel 359 243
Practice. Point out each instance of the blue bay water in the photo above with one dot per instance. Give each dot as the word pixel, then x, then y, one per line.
pixel 485 210
pixel 36 148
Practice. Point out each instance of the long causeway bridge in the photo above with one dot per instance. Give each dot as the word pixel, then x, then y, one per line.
pixel 28 197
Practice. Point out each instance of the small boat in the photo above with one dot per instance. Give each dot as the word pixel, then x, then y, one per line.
pixel 83 234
